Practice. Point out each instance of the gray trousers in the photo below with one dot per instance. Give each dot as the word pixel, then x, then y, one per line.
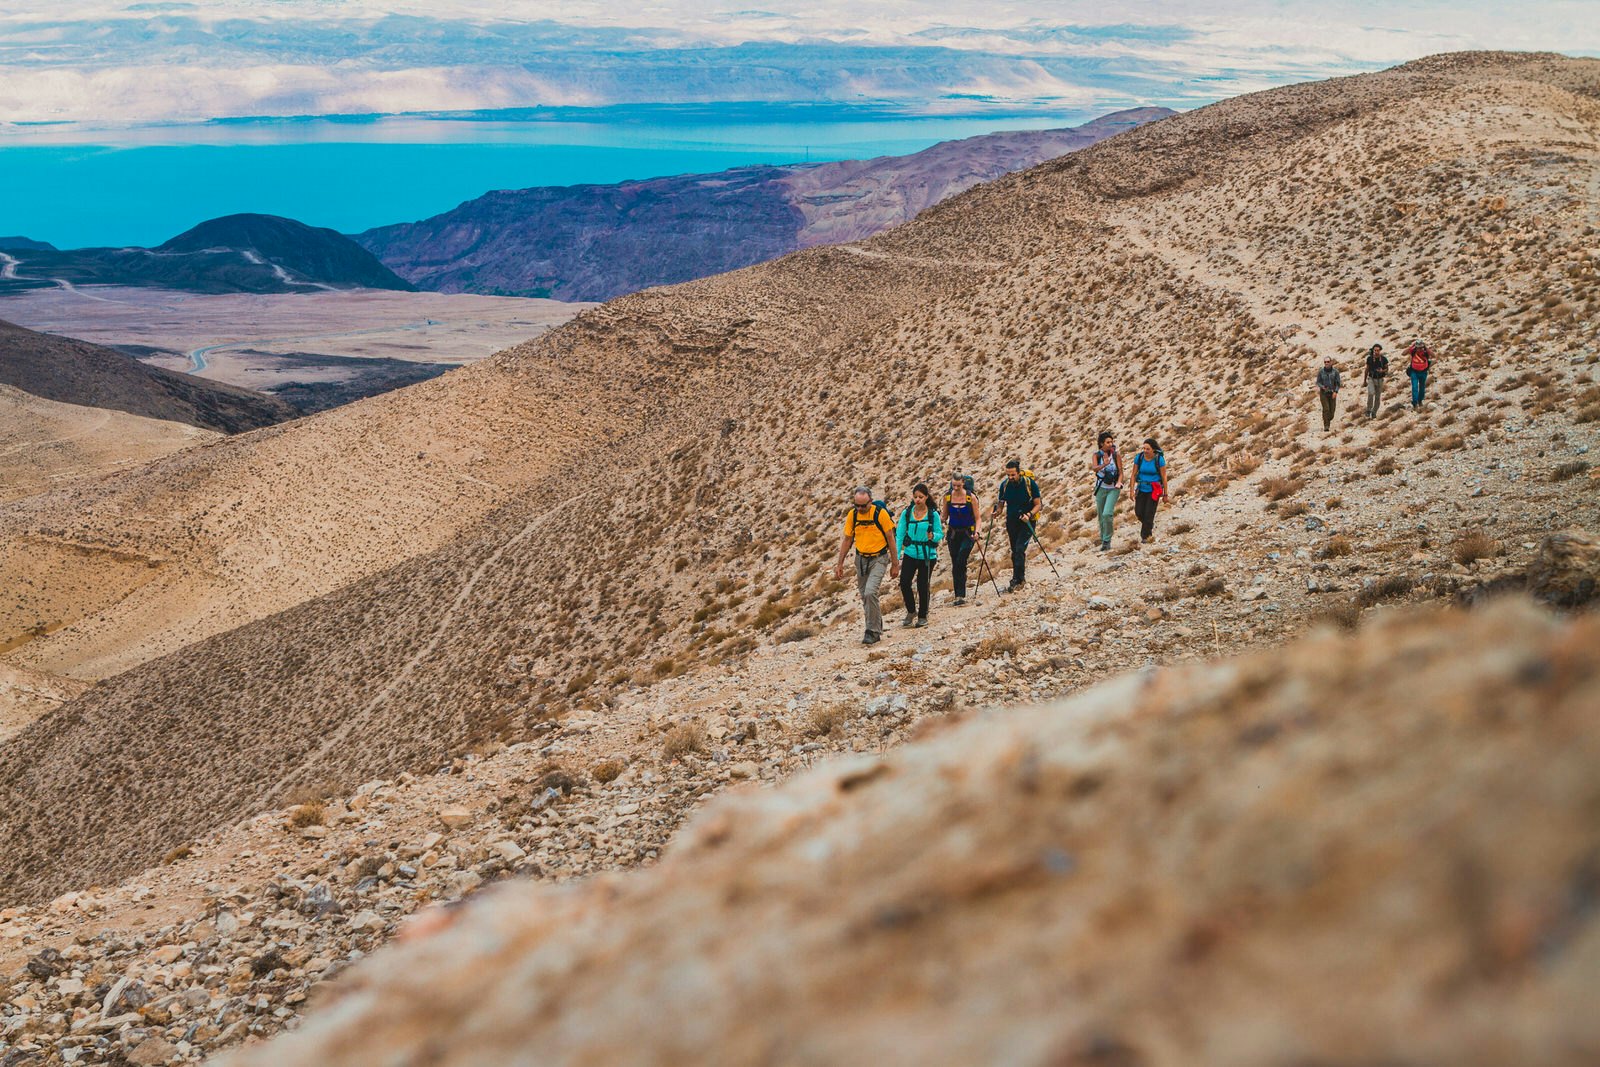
pixel 869 576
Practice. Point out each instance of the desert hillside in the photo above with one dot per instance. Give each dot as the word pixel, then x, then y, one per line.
pixel 684 453
pixel 596 242
pixel 1329 853
pixel 75 372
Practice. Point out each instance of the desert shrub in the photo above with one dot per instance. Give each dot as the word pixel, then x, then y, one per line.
pixel 825 719
pixel 606 771
pixel 1335 547
pixel 1569 470
pixel 1391 588
pixel 1279 488
pixel 684 738
pixel 311 813
pixel 1471 547
pixel 798 632
pixel 994 645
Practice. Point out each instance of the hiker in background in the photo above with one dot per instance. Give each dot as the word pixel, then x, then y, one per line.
pixel 1019 495
pixel 1328 387
pixel 870 528
pixel 917 536
pixel 961 520
pixel 1419 361
pixel 1372 378
pixel 1150 477
pixel 1107 467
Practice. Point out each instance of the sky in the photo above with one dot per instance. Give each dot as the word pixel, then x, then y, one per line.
pixel 103 62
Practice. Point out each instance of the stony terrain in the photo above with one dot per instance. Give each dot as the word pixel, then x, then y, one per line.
pixel 654 591
pixel 596 242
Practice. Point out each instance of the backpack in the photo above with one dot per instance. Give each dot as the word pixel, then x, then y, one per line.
pixel 906 520
pixel 878 508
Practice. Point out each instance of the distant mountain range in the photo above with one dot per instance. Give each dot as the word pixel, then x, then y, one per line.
pixel 76 372
pixel 233 254
pixel 596 242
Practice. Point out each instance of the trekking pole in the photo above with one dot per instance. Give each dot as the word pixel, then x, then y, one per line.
pixel 985 556
pixel 1033 530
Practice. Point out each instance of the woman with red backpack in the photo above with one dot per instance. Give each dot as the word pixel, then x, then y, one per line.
pixel 1419 361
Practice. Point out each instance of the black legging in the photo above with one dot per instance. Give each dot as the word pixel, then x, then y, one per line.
pixel 960 548
pixel 920 571
pixel 1144 506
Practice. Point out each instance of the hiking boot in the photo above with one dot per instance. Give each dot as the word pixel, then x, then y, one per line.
pixel 921 622
pixel 911 619
pixel 870 638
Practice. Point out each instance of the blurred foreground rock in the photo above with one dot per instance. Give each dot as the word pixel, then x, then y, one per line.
pixel 1379 848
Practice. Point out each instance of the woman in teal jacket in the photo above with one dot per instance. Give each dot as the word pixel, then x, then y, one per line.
pixel 917 535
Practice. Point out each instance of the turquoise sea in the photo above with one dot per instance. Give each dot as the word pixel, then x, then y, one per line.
pixel 140 186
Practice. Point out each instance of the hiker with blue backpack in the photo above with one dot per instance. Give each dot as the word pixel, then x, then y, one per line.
pixel 869 528
pixel 962 520
pixel 917 535
pixel 1150 483
pixel 1019 495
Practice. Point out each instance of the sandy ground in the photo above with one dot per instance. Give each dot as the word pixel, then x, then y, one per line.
pixel 211 333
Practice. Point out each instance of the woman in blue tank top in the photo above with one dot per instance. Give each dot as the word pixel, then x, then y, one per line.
pixel 961 521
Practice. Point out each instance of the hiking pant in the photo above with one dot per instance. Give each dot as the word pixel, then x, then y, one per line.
pixel 869 576
pixel 1144 506
pixel 1020 532
pixel 1105 503
pixel 1419 386
pixel 919 571
pixel 1329 402
pixel 960 548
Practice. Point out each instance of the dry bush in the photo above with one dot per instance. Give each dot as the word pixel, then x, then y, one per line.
pixel 825 719
pixel 684 738
pixel 798 632
pixel 606 771
pixel 1344 614
pixel 994 645
pixel 1569 470
pixel 311 813
pixel 1279 488
pixel 1471 547
pixel 1391 588
pixel 1335 547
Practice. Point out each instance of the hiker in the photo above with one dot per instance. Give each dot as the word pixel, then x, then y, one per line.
pixel 1150 476
pixel 1107 467
pixel 1019 494
pixel 870 528
pixel 961 521
pixel 1372 378
pixel 1328 386
pixel 917 536
pixel 1419 361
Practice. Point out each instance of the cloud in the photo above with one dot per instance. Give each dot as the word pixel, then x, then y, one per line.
pixel 109 61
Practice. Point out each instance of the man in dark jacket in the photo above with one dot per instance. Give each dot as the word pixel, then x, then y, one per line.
pixel 1019 495
pixel 1328 386
pixel 1377 370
